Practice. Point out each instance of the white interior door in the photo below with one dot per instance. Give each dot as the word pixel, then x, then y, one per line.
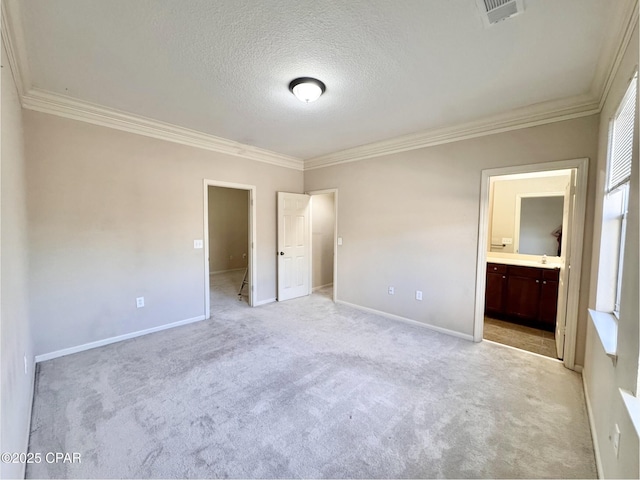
pixel 294 239
pixel 565 268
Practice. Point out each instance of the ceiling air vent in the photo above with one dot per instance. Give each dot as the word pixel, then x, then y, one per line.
pixel 494 11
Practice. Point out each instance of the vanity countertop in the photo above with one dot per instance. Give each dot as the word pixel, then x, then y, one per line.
pixel 522 263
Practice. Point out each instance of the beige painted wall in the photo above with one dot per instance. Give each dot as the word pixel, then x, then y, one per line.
pixel 410 220
pixel 228 228
pixel 14 314
pixel 113 216
pixel 503 204
pixel 603 380
pixel 323 226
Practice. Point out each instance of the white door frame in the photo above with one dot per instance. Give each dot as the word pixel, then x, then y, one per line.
pixel 581 165
pixel 335 239
pixel 251 263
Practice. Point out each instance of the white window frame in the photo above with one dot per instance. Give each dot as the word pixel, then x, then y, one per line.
pixel 620 187
pixel 623 190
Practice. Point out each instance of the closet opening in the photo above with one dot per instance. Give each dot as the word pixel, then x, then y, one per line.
pixel 229 245
pixel 324 242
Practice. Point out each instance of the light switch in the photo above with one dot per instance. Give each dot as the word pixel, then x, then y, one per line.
pixel 339 240
pixel 197 244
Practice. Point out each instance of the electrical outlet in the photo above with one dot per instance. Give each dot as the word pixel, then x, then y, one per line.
pixel 198 244
pixel 140 302
pixel 616 440
pixel 418 295
pixel 392 291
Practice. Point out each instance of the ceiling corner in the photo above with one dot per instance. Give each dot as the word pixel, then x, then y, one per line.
pixel 13 38
pixel 610 60
pixel 67 107
pixel 530 116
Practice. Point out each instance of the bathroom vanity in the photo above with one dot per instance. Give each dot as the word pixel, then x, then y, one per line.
pixel 522 293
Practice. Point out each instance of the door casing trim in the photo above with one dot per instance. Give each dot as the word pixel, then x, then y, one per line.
pixel 253 286
pixel 571 326
pixel 335 239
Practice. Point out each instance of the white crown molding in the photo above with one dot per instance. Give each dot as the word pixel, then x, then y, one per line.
pixel 63 106
pixel 547 112
pixel 12 38
pixel 609 65
pixel 540 114
pixel 531 116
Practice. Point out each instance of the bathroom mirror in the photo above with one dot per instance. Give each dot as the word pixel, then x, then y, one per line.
pixel 526 214
pixel 539 226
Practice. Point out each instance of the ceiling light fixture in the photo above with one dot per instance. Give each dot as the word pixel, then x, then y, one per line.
pixel 307 89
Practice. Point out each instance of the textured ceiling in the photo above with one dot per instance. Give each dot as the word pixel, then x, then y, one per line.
pixel 391 67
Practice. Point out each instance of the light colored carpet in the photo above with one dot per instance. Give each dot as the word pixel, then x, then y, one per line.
pixel 307 388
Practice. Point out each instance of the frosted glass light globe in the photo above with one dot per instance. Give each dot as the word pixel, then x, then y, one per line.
pixel 307 89
pixel 307 92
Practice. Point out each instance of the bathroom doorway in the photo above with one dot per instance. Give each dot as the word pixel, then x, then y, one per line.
pixel 528 271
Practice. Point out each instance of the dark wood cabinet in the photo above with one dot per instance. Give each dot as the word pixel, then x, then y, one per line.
pixel 523 297
pixel 496 288
pixel 522 293
pixel 548 302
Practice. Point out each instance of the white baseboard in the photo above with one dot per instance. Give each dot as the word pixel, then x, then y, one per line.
pixel 446 331
pixel 592 425
pixel 264 302
pixel 32 366
pixel 322 286
pixel 119 338
pixel 578 368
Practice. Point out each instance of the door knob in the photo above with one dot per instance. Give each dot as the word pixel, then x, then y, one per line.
pixel 281 253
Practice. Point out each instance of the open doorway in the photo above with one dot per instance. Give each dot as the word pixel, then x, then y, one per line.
pixel 529 257
pixel 229 229
pixel 323 242
pixel 525 260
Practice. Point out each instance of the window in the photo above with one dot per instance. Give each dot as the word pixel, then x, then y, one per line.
pixel 616 199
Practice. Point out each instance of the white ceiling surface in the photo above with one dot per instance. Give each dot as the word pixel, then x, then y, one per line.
pixel 391 67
